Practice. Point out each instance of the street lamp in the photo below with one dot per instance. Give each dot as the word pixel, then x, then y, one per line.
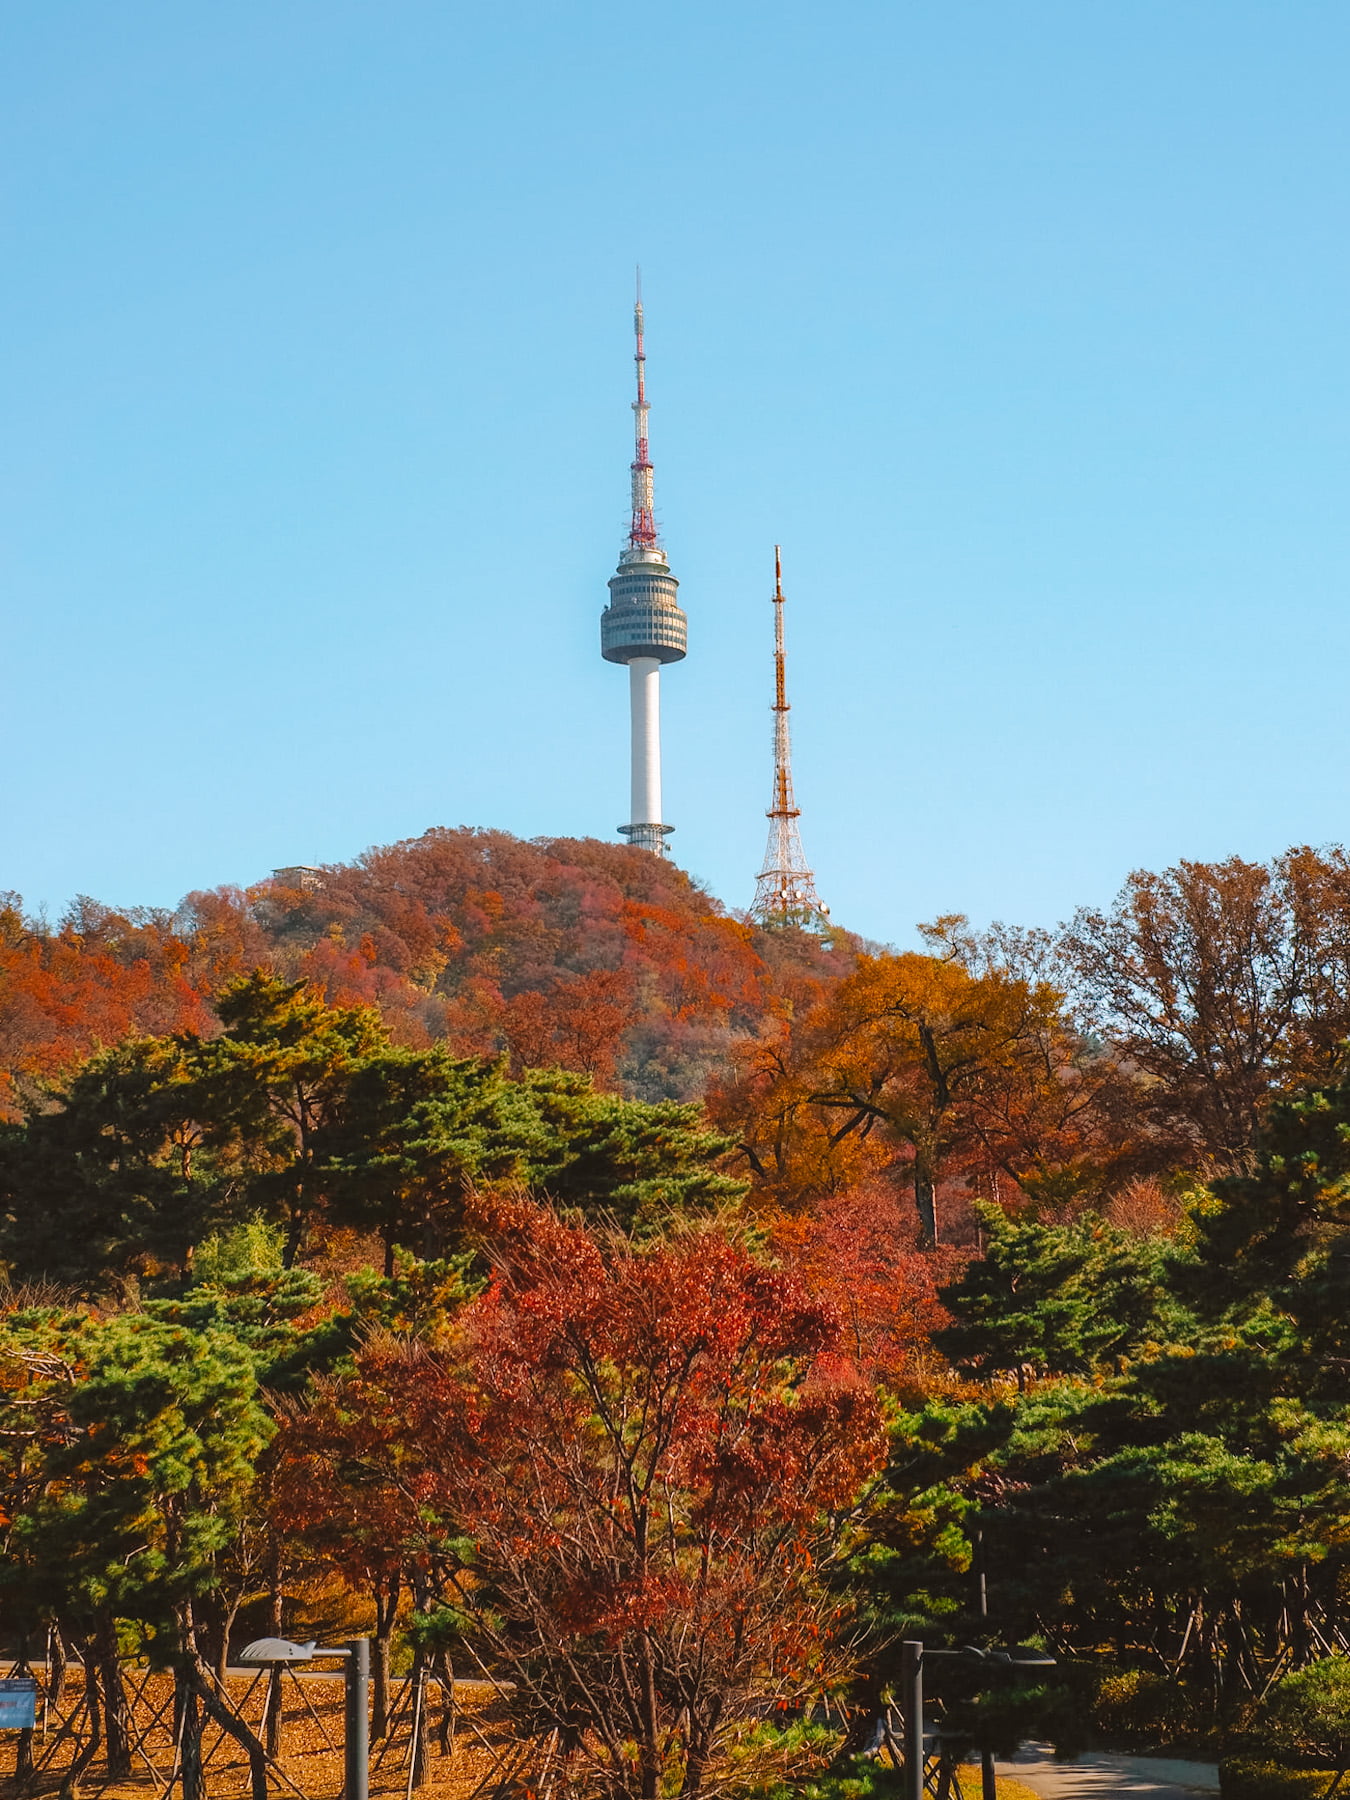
pixel 912 1658
pixel 280 1653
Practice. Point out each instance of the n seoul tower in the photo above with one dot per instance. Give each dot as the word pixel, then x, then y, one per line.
pixel 643 626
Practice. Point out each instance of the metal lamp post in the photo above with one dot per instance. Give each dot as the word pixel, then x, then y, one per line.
pixel 356 1735
pixel 911 1706
pixel 271 1653
pixel 912 1655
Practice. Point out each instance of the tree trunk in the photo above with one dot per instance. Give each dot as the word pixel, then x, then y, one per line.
pixel 295 1229
pixel 697 1745
pixel 386 1612
pixel 417 1769
pixel 23 1755
pixel 189 1733
pixel 228 1614
pixel 209 1635
pixel 70 1785
pixel 213 1632
pixel 1296 1602
pixel 925 1204
pixel 445 1668
pixel 229 1721
pixel 107 1670
pixel 272 1710
pixel 272 1713
pixel 649 1745
pixel 23 1750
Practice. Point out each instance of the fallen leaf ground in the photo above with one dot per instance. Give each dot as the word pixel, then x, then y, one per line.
pixel 469 1745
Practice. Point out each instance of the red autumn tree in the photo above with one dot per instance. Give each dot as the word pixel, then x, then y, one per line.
pixel 657 1478
pixel 852 1251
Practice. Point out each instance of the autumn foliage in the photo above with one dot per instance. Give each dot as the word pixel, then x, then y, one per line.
pixel 500 1246
pixel 925 1069
pixel 566 953
pixel 98 978
pixel 854 1252
pixel 656 1468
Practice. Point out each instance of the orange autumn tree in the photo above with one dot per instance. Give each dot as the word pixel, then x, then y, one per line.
pixel 578 1024
pixel 101 976
pixel 335 1497
pixel 97 978
pixel 948 1063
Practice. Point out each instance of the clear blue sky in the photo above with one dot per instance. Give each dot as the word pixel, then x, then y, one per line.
pixel 1023 326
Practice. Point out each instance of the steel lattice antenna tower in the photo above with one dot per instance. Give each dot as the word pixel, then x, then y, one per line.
pixel 643 625
pixel 785 893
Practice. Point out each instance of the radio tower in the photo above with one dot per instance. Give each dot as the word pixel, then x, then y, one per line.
pixel 785 893
pixel 643 625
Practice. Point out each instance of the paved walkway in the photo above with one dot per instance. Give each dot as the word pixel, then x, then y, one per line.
pixel 1097 1775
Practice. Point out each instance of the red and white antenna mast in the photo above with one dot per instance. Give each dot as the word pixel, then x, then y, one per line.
pixel 785 893
pixel 642 531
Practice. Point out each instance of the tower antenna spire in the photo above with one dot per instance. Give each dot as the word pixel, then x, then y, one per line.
pixel 785 892
pixel 642 530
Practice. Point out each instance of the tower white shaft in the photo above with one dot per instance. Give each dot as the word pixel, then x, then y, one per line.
pixel 644 688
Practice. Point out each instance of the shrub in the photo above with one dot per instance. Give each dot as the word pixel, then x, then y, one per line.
pixel 1308 1712
pixel 1140 1706
pixel 1257 1778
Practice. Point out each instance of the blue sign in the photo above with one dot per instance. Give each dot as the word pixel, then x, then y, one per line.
pixel 18 1703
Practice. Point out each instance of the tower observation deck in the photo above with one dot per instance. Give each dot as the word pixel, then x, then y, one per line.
pixel 643 626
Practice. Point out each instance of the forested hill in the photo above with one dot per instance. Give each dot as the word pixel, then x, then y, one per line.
pixel 563 952
pixel 999 1297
